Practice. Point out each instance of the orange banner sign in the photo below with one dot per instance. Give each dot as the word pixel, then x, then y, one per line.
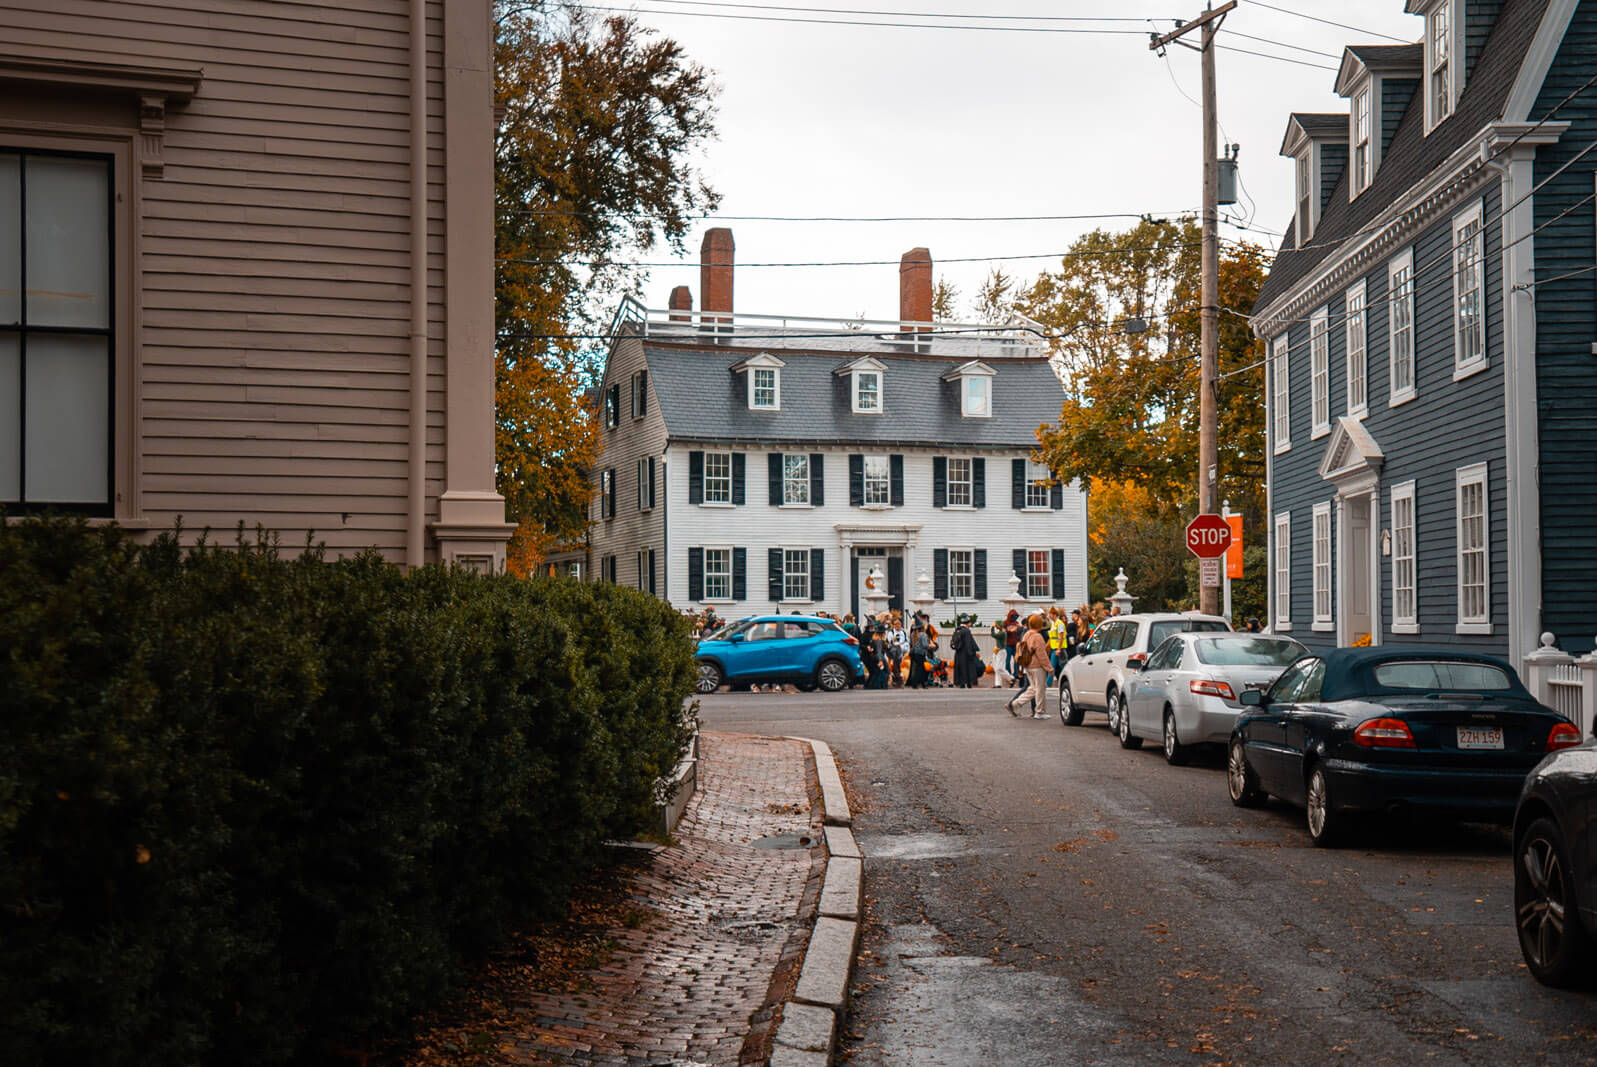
pixel 1233 554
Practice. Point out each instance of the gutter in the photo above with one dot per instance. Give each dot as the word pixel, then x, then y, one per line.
pixel 416 508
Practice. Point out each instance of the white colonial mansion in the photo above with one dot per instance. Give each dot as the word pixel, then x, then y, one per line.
pixel 760 463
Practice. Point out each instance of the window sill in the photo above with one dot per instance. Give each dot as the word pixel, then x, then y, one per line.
pixel 1323 626
pixel 1283 448
pixel 1282 627
pixel 968 415
pixel 1469 370
pixel 1475 628
pixel 766 410
pixel 1319 432
pixel 1035 508
pixel 1406 628
pixel 716 504
pixel 959 507
pixel 1359 413
pixel 876 507
pixel 1399 399
pixel 788 601
pixel 874 411
pixel 797 507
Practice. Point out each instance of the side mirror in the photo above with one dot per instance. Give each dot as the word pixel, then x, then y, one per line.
pixel 1136 663
pixel 735 638
pixel 1252 698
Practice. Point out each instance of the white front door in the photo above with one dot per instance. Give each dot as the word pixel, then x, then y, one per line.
pixel 1357 569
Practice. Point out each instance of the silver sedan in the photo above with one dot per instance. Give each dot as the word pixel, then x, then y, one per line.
pixel 1190 690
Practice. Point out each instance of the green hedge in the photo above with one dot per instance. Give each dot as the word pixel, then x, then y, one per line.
pixel 253 807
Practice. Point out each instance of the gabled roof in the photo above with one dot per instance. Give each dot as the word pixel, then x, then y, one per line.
pixel 862 363
pixel 1412 155
pixel 974 367
pixel 1404 60
pixel 1308 126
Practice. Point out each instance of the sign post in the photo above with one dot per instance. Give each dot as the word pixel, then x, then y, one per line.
pixel 1208 537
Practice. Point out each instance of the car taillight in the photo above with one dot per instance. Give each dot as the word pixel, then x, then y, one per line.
pixel 1205 687
pixel 1384 733
pixel 851 640
pixel 1564 735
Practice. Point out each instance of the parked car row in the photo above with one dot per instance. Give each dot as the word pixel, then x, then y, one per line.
pixel 1356 733
pixel 800 650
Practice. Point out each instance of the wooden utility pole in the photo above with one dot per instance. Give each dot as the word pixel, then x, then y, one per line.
pixel 1209 366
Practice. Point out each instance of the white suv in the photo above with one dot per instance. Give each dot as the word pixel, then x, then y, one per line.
pixel 1095 679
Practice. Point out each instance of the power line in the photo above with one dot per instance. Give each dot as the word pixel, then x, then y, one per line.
pixel 1076 254
pixel 1279 59
pixel 1328 22
pixel 909 14
pixel 845 218
pixel 854 22
pixel 1283 44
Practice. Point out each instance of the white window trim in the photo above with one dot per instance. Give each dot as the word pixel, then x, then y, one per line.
pixel 1047 571
pixel 786 477
pixel 1405 624
pixel 776 381
pixel 1362 176
pixel 639 394
pixel 706 502
pixel 1473 474
pixel 1306 169
pixel 644 466
pixel 1281 395
pixel 865 482
pixel 1319 373
pixel 707 549
pixel 964 396
pixel 881 391
pixel 1031 483
pixel 1395 396
pixel 1455 81
pixel 1282 622
pixel 1359 290
pixel 1461 370
pixel 952 596
pixel 969 483
pixel 1324 621
pixel 809 579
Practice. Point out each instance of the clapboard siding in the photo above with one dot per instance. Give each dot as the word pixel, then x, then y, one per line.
pixel 1566 327
pixel 632 529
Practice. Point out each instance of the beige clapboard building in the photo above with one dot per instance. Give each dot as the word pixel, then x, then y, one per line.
pixel 246 269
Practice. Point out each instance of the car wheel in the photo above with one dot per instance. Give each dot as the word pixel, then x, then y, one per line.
pixel 832 676
pixel 710 677
pixel 1127 739
pixel 1325 822
pixel 1556 946
pixel 1241 782
pixel 1070 712
pixel 1175 753
pixel 1112 706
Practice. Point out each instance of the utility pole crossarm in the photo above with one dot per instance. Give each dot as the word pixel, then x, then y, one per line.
pixel 1208 16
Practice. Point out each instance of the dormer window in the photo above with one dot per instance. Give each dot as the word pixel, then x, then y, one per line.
pixel 1307 194
pixel 975 383
pixel 1362 157
pixel 868 392
pixel 1439 87
pixel 763 375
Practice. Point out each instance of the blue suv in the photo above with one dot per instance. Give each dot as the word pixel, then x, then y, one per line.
pixel 805 651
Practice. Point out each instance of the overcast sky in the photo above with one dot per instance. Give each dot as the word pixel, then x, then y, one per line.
pixel 848 120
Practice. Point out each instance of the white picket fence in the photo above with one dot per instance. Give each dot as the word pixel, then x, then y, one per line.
pixel 1565 683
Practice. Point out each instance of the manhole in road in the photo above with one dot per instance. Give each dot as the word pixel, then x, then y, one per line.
pixel 784 841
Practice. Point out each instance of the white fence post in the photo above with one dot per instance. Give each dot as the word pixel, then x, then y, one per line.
pixel 1588 693
pixel 1555 678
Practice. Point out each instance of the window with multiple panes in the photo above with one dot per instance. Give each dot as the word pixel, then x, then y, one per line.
pixel 718 574
pixel 1355 333
pixel 1405 598
pixel 1474 574
pixel 1306 195
pixel 1322 566
pixel 640 393
pixel 1283 571
pixel 717 478
pixel 763 393
pixel 56 323
pixel 1320 373
pixel 1438 48
pixel 961 574
pixel 1400 326
pixel 1362 159
pixel 868 391
pixel 977 397
pixel 795 574
pixel 1039 577
pixel 878 481
pixel 795 478
pixel 1469 292
pixel 960 491
pixel 645 483
pixel 1037 489
pixel 607 493
pixel 1281 398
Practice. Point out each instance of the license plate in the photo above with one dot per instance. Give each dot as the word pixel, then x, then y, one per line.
pixel 1480 737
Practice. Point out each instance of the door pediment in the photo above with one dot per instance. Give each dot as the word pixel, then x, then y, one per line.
pixel 1353 458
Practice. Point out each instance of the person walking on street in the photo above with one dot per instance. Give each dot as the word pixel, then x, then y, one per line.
pixel 1056 642
pixel 1012 632
pixel 967 659
pixel 1032 656
pixel 897 649
pixel 920 646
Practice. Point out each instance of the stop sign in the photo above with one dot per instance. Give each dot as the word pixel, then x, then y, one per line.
pixel 1208 536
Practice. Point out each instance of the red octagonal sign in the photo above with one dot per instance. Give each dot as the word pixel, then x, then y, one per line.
pixel 1208 536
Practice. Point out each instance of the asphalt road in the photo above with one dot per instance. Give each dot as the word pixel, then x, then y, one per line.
pixel 1037 895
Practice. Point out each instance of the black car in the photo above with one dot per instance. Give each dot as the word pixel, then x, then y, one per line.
pixel 1392 729
pixel 1555 866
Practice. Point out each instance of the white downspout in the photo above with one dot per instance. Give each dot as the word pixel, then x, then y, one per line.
pixel 416 511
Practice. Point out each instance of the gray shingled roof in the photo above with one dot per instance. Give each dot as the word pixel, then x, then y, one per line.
pixel 1320 122
pixel 1390 55
pixel 1412 155
pixel 701 400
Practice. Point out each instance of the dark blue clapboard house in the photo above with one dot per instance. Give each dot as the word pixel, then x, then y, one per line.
pixel 1431 402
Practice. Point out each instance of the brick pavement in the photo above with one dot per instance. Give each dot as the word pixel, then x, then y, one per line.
pixel 726 924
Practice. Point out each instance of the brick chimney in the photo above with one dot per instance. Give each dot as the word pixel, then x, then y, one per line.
pixel 715 272
pixel 915 288
pixel 681 304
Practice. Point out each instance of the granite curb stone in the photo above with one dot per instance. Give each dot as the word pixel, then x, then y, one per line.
pixel 828 962
pixel 833 799
pixel 807 1028
pixel 840 895
pixel 840 842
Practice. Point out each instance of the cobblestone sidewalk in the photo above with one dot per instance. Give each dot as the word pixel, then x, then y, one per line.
pixel 695 982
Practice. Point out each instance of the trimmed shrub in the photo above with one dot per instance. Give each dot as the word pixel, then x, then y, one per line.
pixel 253 806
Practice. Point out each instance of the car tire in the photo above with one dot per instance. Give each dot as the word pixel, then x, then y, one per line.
pixel 1326 824
pixel 1070 713
pixel 1241 782
pixel 1112 708
pixel 1175 753
pixel 1127 738
pixel 832 676
pixel 710 677
pixel 1556 946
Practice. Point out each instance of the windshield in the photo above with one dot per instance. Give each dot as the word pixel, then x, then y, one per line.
pixel 1441 674
pixel 729 630
pixel 1247 652
pixel 1158 631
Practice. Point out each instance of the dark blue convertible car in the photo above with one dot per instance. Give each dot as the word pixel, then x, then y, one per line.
pixel 1390 729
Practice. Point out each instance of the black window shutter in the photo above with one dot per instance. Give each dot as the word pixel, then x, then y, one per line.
pixel 775 461
pixel 643 395
pixel 774 570
pixel 1017 484
pixel 740 574
pixel 1059 574
pixel 939 482
pixel 612 512
pixel 817 479
pixel 895 466
pixel 1020 568
pixel 817 574
pixel 940 573
pixel 737 477
pixel 695 477
pixel 895 582
pixel 856 481
pixel 652 588
pixel 980 569
pixel 634 409
pixel 1056 496
pixel 978 482
pixel 651 482
pixel 695 574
